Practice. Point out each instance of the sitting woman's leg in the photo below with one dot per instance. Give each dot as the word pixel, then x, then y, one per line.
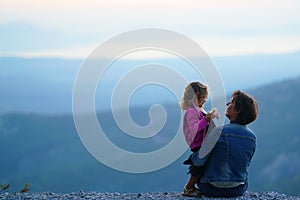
pixel 209 190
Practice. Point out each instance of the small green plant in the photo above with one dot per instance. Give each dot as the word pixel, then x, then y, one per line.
pixel 4 187
pixel 25 188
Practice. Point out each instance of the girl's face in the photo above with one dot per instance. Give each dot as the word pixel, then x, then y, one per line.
pixel 201 100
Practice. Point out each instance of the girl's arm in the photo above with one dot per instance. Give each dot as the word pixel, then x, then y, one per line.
pixel 195 124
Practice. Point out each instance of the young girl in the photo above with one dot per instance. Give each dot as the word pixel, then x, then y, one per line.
pixel 195 125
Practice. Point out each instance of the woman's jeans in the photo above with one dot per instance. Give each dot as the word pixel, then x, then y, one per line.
pixel 209 190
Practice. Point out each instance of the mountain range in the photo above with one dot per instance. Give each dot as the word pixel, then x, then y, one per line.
pixel 45 85
pixel 45 150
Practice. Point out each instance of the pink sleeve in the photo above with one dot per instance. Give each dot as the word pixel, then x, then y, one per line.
pixel 202 123
pixel 195 124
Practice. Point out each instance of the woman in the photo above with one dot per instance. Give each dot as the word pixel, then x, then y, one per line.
pixel 227 151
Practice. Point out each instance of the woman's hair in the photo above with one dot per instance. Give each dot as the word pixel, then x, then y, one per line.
pixel 246 106
pixel 191 90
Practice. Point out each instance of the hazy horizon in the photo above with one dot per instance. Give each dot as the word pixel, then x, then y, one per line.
pixel 71 29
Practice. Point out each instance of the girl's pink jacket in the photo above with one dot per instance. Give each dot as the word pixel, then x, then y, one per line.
pixel 194 127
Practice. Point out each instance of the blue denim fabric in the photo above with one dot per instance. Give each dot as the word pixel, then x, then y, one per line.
pixel 230 158
pixel 209 190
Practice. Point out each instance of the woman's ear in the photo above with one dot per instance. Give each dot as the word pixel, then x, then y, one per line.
pixel 235 109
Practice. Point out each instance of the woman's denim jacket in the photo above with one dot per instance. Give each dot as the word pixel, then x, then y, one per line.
pixel 229 159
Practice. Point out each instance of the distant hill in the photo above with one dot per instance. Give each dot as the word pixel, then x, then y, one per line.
pixel 37 85
pixel 277 159
pixel 32 38
pixel 45 85
pixel 45 150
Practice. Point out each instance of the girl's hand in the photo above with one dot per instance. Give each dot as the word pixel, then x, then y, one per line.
pixel 208 117
pixel 212 114
pixel 216 115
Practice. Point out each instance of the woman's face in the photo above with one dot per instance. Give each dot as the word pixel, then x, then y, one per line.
pixel 231 113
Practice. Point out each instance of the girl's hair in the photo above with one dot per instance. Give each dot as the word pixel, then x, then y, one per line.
pixel 191 90
pixel 247 107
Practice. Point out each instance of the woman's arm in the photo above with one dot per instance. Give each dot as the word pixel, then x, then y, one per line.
pixel 200 157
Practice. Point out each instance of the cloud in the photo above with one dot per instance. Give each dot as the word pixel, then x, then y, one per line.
pixel 213 46
pixel 72 28
pixel 229 46
pixel 192 17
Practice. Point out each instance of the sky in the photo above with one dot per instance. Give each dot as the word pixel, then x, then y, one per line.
pixel 74 28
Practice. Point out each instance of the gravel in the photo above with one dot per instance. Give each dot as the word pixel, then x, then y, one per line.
pixel 139 196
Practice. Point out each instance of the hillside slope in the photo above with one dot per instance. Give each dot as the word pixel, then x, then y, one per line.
pixel 45 150
pixel 277 160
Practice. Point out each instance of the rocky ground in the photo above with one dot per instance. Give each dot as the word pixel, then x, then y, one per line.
pixel 140 196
